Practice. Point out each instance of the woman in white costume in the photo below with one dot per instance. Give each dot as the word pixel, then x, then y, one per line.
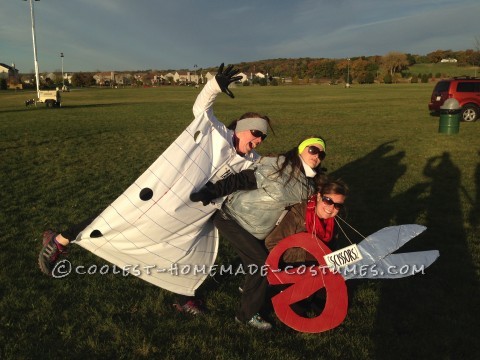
pixel 153 222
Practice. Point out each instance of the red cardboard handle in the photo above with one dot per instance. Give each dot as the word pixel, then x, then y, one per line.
pixel 305 282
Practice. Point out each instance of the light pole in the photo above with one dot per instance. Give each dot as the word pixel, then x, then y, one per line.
pixel 37 76
pixel 63 79
pixel 348 73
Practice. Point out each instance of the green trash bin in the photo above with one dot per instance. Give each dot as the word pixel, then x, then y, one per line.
pixel 450 113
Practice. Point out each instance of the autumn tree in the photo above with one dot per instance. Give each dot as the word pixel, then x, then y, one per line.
pixel 360 69
pixel 82 79
pixel 437 55
pixel 394 62
pixel 322 68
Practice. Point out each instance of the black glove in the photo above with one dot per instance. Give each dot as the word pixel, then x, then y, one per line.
pixel 225 78
pixel 205 195
pixel 244 180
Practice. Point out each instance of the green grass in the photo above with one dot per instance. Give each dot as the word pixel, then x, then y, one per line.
pixel 445 69
pixel 60 166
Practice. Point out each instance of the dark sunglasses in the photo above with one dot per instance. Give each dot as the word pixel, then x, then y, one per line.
pixel 327 201
pixel 258 134
pixel 313 150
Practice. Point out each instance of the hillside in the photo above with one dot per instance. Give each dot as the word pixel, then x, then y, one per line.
pixel 446 70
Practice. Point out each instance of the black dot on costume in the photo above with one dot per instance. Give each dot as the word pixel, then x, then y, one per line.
pixel 146 194
pixel 196 136
pixel 96 234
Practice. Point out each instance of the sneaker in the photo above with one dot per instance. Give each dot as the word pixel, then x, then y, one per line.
pixel 257 322
pixel 193 307
pixel 50 253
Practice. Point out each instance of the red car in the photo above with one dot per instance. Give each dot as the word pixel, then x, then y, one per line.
pixel 466 90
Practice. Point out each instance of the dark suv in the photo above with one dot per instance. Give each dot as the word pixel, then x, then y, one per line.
pixel 466 90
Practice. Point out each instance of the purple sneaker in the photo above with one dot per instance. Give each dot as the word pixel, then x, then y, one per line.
pixel 50 253
pixel 193 307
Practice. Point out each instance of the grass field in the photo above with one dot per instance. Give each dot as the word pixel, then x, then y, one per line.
pixel 60 166
pixel 445 69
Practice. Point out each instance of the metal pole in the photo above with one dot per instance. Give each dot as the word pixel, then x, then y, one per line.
pixel 37 76
pixel 348 72
pixel 63 79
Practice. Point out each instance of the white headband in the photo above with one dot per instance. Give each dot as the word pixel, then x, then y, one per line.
pixel 252 124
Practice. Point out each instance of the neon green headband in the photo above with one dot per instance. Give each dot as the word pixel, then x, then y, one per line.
pixel 309 142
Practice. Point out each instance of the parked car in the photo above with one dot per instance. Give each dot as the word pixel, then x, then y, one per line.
pixel 466 90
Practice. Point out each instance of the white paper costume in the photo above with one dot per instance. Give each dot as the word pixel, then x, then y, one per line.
pixel 153 228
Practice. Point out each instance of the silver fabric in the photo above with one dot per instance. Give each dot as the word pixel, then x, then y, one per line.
pixel 257 211
pixel 378 261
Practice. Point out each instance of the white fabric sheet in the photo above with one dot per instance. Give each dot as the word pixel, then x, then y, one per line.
pixel 167 239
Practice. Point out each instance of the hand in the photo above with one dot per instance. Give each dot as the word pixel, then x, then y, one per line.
pixel 226 77
pixel 205 195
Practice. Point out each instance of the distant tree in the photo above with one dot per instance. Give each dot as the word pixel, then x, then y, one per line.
pixel 82 79
pixel 475 57
pixel 388 79
pixel 343 70
pixel 411 59
pixel 370 78
pixel 3 84
pixel 414 79
pixel 394 62
pixel 49 82
pixel 437 55
pixel 359 70
pixel 421 59
pixel 77 80
pixel 425 78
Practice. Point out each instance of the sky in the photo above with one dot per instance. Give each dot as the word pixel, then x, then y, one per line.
pixel 126 35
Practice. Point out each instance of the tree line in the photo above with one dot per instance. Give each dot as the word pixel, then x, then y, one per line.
pixel 361 69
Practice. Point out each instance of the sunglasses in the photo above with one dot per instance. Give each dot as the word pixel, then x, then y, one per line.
pixel 327 201
pixel 258 134
pixel 313 150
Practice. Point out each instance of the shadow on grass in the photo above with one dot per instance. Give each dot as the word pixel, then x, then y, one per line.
pixel 371 180
pixel 474 217
pixel 432 314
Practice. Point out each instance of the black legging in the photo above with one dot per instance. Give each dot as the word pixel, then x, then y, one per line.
pixel 252 252
pixel 72 232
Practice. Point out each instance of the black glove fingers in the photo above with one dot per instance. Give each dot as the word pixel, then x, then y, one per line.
pixel 228 70
pixel 226 77
pixel 233 72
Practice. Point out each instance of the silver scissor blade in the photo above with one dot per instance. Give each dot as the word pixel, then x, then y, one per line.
pixel 393 266
pixel 385 241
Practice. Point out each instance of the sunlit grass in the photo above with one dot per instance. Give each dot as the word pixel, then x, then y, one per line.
pixel 60 166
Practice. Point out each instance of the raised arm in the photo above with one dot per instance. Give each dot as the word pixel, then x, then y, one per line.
pixel 216 85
